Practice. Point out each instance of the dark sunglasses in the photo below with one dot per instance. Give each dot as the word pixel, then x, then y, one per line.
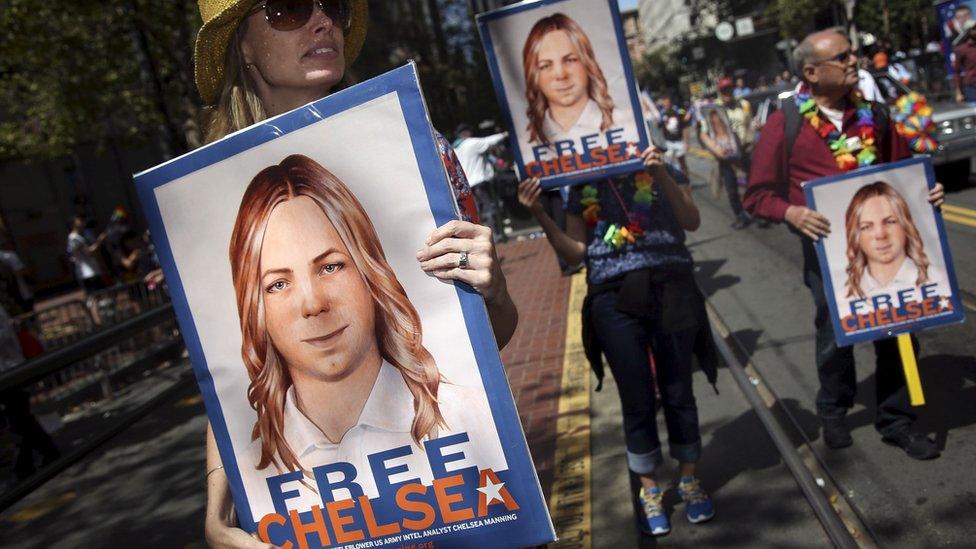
pixel 288 15
pixel 841 57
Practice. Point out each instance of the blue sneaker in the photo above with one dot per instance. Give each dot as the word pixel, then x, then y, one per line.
pixel 656 521
pixel 699 505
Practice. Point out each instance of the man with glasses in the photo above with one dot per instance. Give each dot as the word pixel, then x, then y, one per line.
pixel 792 150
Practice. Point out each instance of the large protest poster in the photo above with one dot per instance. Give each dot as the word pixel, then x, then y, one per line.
pixel 886 264
pixel 563 76
pixel 953 18
pixel 356 401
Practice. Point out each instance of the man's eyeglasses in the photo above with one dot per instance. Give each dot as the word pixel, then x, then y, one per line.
pixel 842 57
pixel 288 15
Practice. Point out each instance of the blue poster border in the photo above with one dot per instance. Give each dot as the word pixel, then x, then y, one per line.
pixel 579 176
pixel 842 338
pixel 404 81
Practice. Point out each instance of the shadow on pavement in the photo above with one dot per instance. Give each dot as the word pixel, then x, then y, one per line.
pixel 705 272
pixel 161 504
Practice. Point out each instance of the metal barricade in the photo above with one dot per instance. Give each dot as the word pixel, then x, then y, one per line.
pixel 62 324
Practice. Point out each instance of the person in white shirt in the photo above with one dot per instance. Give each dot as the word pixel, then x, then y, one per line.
pixel 565 87
pixel 88 268
pixel 868 86
pixel 331 343
pixel 472 153
pixel 885 250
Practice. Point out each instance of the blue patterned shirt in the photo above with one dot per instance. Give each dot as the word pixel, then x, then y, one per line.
pixel 662 244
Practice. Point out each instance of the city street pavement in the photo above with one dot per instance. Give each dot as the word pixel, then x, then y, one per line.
pixel 146 487
pixel 753 279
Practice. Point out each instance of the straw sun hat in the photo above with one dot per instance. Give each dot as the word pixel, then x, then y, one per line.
pixel 220 21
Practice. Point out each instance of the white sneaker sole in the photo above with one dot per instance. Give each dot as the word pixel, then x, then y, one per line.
pixel 699 519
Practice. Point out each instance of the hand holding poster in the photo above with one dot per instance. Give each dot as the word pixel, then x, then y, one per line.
pixel 886 264
pixel 347 390
pixel 562 73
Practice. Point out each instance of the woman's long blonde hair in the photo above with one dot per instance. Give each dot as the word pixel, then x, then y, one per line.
pixel 597 89
pixel 239 105
pixel 399 334
pixel 856 261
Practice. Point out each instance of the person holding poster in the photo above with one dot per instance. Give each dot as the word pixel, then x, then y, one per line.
pixel 796 145
pixel 566 87
pixel 641 295
pixel 257 60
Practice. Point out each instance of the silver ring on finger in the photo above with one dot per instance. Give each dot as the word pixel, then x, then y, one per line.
pixel 463 261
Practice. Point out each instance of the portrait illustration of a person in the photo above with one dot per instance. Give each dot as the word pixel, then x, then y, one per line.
pixel 885 251
pixel 565 87
pixel 721 134
pixel 331 343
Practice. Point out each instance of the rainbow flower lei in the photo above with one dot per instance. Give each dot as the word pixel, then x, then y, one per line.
pixel 846 156
pixel 913 120
pixel 638 216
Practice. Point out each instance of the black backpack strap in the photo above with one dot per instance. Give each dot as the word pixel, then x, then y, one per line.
pixel 882 119
pixel 791 128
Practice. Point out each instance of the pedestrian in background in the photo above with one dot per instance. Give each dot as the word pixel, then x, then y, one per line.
pixel 641 299
pixel 473 154
pixel 673 122
pixel 965 64
pixel 729 143
pixel 782 162
pixel 82 254
pixel 24 294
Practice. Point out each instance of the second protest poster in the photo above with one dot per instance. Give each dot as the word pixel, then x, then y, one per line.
pixel 563 76
pixel 886 264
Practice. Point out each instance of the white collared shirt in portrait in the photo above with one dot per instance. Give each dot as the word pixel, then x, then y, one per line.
pixel 905 278
pixel 588 123
pixel 384 424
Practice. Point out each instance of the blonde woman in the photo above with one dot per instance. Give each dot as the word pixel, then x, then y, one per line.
pixel 254 60
pixel 332 345
pixel 565 87
pixel 885 252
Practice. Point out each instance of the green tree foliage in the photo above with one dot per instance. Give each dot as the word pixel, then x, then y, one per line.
pixel 660 69
pixel 799 17
pixel 912 22
pixel 85 72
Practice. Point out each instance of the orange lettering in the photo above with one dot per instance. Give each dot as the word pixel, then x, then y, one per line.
pixel 317 526
pixel 266 522
pixel 848 323
pixel 507 498
pixel 425 510
pixel 598 156
pixel 339 522
pixel 565 163
pixel 613 153
pixel 445 500
pixel 376 530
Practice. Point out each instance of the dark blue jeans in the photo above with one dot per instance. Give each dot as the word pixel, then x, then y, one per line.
pixel 627 341
pixel 726 170
pixel 835 365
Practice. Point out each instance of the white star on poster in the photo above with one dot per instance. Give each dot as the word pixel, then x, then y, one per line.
pixel 944 303
pixel 632 149
pixel 492 491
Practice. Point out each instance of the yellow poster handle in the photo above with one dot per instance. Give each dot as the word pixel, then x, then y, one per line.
pixel 910 366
